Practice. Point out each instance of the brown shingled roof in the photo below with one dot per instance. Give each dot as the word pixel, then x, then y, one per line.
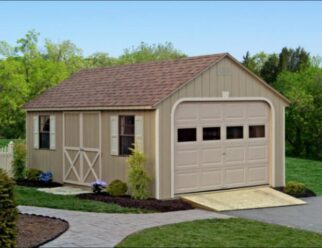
pixel 128 85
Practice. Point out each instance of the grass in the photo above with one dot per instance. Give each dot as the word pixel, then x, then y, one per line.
pixel 305 171
pixel 32 197
pixel 223 233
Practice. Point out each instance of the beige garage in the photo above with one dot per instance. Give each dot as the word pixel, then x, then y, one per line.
pixel 221 145
pixel 204 123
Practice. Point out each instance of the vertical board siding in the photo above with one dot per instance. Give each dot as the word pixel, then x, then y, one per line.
pixel 116 167
pixel 224 76
pixel 43 159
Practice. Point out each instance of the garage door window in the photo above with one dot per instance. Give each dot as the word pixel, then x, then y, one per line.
pixel 187 134
pixel 257 131
pixel 235 132
pixel 211 133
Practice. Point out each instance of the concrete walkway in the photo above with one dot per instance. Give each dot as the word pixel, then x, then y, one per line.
pixel 307 217
pixel 106 230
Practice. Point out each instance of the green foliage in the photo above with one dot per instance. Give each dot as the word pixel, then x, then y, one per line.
pixel 27 70
pixel 33 174
pixel 8 211
pixel 117 188
pixel 19 161
pixel 304 115
pixel 138 178
pixel 294 188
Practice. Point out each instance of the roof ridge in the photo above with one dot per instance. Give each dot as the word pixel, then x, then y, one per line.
pixel 155 62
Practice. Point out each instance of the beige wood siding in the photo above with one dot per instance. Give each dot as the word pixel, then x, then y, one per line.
pixel 113 167
pixel 224 76
pixel 43 159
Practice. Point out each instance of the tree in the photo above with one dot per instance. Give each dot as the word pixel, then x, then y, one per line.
pixel 100 59
pixel 293 60
pixel 145 52
pixel 269 70
pixel 303 116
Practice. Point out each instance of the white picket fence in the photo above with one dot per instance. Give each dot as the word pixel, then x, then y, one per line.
pixel 6 157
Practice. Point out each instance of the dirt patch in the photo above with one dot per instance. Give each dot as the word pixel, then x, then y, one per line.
pixel 36 230
pixel 37 184
pixel 149 204
pixel 307 193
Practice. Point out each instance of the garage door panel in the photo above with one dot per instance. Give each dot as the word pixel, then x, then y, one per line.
pixel 211 179
pixel 233 111
pixel 186 182
pixel 234 177
pixel 187 112
pixel 257 175
pixel 211 156
pixel 187 158
pixel 209 112
pixel 257 110
pixel 257 153
pixel 234 154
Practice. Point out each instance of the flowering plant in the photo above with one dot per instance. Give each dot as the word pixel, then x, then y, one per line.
pixel 46 177
pixel 98 186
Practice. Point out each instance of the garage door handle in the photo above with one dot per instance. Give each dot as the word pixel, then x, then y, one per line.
pixel 223 153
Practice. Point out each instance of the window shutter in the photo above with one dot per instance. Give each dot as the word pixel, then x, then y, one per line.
pixel 114 135
pixel 52 132
pixel 138 131
pixel 36 131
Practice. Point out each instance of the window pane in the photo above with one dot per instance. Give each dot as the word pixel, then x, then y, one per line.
pixel 235 132
pixel 126 142
pixel 44 140
pixel 127 125
pixel 44 123
pixel 211 133
pixel 257 131
pixel 126 134
pixel 187 134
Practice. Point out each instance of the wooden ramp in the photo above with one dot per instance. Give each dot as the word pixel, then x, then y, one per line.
pixel 237 199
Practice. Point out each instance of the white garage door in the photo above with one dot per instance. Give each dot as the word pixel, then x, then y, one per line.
pixel 221 145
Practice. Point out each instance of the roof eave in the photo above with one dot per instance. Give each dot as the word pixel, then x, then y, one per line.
pixel 145 107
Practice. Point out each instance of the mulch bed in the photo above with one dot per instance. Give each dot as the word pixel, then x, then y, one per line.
pixel 36 230
pixel 149 204
pixel 37 184
pixel 306 193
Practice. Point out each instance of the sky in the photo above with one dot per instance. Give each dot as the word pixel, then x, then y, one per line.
pixel 195 28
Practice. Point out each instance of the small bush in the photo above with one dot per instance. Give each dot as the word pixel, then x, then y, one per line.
pixel 8 211
pixel 33 174
pixel 98 186
pixel 138 178
pixel 117 188
pixel 46 177
pixel 294 188
pixel 19 161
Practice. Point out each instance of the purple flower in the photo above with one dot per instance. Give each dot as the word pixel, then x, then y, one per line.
pixel 98 185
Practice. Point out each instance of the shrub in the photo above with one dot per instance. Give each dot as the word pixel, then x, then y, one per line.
pixel 138 178
pixel 46 177
pixel 117 188
pixel 8 211
pixel 294 188
pixel 19 161
pixel 33 174
pixel 98 186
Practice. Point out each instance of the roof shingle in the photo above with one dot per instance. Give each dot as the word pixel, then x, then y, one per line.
pixel 142 84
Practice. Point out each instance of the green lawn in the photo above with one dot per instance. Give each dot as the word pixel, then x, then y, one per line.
pixel 31 197
pixel 223 233
pixel 305 171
